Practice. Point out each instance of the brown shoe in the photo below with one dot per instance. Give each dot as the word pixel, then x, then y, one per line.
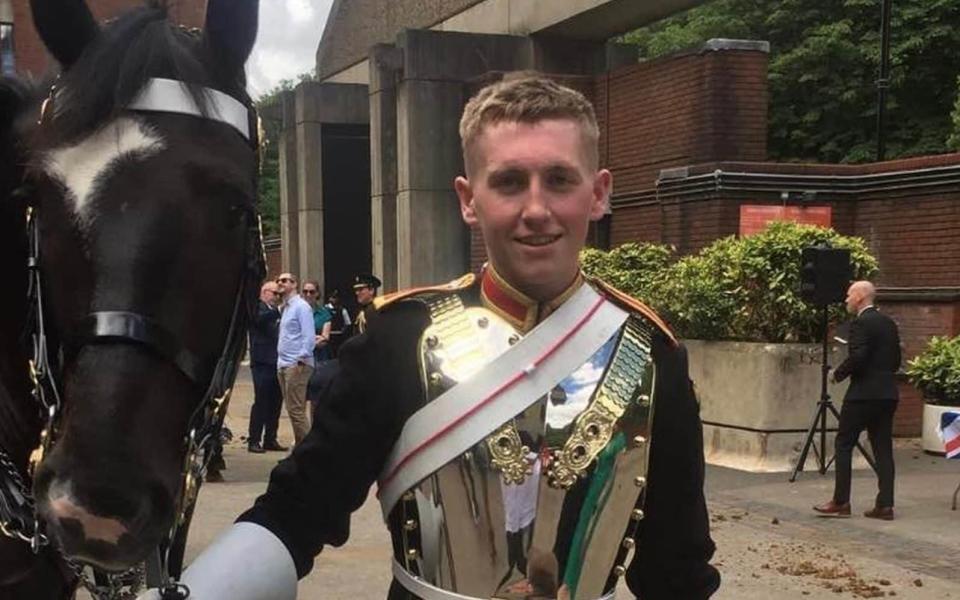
pixel 833 509
pixel 884 513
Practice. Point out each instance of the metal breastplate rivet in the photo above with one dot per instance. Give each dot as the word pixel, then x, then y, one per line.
pixel 411 554
pixel 637 514
pixel 640 481
pixel 628 543
pixel 483 322
pixel 513 339
pixel 408 496
pixel 432 341
pixel 410 525
pixel 436 378
pixel 619 570
pixel 639 441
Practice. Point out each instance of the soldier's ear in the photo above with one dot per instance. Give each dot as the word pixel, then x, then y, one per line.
pixel 600 202
pixel 465 193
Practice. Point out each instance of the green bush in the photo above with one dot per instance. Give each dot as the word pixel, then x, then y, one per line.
pixel 735 288
pixel 695 294
pixel 936 371
pixel 633 268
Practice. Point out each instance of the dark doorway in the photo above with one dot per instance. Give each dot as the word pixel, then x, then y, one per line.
pixel 346 207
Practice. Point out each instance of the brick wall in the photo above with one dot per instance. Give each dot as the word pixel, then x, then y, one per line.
pixel 677 110
pixel 274 254
pixel 908 211
pixel 915 238
pixel 918 321
pixel 31 56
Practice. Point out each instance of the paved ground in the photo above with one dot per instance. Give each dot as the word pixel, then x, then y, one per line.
pixel 769 543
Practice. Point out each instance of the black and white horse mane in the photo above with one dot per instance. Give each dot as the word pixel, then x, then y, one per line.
pixel 109 73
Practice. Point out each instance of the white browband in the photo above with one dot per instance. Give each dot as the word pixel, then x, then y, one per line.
pixel 168 95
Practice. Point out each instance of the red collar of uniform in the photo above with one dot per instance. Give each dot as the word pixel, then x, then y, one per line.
pixel 518 309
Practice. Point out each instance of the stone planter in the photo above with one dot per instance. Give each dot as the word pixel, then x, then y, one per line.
pixel 931 427
pixel 757 401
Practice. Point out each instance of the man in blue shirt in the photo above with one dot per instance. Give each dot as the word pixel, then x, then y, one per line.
pixel 295 354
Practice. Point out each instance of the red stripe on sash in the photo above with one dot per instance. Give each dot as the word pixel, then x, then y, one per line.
pixel 493 396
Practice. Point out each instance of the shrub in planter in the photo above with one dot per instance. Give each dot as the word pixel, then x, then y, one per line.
pixel 635 268
pixel 734 289
pixel 936 371
pixel 767 280
pixel 696 294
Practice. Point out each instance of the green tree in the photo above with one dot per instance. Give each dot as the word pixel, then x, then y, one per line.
pixel 953 142
pixel 269 191
pixel 824 59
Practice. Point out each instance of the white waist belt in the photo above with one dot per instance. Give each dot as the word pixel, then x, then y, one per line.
pixel 422 589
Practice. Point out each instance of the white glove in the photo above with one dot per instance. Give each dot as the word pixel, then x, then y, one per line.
pixel 247 562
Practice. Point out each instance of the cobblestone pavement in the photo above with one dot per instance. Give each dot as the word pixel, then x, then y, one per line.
pixel 769 543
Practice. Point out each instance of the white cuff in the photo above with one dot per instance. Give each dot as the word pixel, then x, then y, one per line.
pixel 247 562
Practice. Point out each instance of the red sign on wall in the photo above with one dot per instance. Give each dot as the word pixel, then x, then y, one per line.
pixel 755 218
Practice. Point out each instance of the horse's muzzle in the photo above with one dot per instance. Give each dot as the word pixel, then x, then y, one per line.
pixel 112 525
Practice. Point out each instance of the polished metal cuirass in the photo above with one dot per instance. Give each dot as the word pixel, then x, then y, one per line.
pixel 547 505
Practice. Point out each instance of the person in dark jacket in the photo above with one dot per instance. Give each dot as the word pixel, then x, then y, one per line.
pixel 267 397
pixel 619 494
pixel 870 401
pixel 365 288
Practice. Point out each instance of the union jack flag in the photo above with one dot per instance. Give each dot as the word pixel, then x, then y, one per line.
pixel 950 432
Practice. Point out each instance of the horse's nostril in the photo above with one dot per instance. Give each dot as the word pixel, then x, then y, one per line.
pixel 71 516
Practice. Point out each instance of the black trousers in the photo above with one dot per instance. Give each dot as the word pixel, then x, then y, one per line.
pixel 267 400
pixel 876 416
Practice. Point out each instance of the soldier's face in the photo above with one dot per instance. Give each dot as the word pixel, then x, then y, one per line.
pixel 365 295
pixel 533 193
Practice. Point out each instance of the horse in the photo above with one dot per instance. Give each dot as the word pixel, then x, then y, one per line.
pixel 130 249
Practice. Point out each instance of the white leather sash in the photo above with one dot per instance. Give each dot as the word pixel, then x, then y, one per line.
pixel 468 412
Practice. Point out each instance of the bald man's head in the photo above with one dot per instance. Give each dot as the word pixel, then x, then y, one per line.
pixel 860 295
pixel 269 292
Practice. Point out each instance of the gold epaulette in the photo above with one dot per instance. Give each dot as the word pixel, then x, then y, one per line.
pixel 456 285
pixel 632 304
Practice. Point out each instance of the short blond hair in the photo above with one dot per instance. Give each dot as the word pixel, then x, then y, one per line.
pixel 528 98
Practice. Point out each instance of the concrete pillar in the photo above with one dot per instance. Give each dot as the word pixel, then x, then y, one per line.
pixel 310 177
pixel 289 190
pixel 385 65
pixel 433 244
pixel 318 105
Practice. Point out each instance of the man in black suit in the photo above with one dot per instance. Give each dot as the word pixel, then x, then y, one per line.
pixel 870 401
pixel 267 397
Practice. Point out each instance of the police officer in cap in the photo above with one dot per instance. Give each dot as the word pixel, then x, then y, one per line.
pixel 365 287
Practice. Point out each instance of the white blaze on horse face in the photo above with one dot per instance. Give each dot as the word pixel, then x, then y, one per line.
pixel 82 167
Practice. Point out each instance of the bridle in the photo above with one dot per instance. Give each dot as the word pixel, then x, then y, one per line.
pixel 18 514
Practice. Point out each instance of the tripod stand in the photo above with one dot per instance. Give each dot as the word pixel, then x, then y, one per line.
pixel 819 424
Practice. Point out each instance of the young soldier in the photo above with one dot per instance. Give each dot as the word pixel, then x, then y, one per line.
pixel 521 443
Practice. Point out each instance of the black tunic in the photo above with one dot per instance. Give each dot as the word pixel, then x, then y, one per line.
pixel 312 493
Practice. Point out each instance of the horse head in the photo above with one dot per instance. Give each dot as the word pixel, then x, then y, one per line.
pixel 145 214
